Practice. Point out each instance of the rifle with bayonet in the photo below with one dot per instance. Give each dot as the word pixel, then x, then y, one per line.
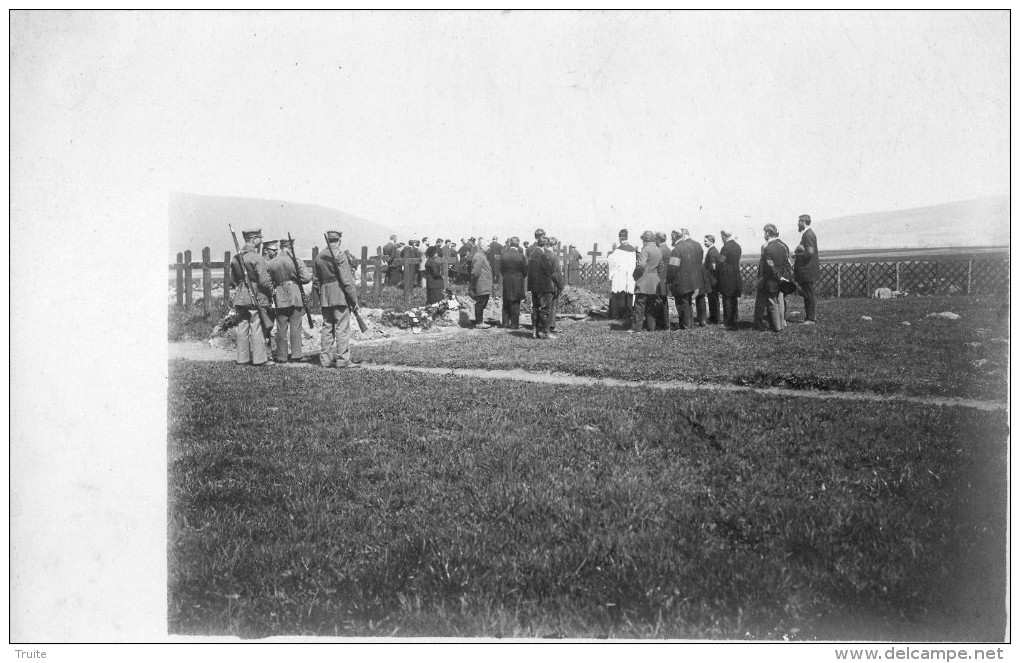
pixel 301 288
pixel 247 283
pixel 336 269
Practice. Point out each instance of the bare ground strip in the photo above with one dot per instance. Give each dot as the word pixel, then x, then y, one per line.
pixel 202 352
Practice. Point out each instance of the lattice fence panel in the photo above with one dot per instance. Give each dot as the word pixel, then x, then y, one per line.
pixel 748 278
pixel 990 277
pixel 827 284
pixel 881 275
pixel 918 276
pixel 598 275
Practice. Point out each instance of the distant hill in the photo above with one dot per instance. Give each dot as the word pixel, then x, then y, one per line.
pixel 199 221
pixel 966 223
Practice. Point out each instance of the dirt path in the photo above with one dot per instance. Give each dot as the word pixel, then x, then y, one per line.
pixel 198 351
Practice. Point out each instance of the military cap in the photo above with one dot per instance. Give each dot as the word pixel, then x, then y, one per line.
pixel 333 234
pixel 285 243
pixel 270 245
pixel 806 218
pixel 539 233
pixel 251 232
pixel 710 238
pixel 623 234
pixel 770 228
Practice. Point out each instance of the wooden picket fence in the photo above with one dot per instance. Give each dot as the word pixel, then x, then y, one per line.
pixel 984 276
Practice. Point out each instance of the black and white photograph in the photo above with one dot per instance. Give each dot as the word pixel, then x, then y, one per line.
pixel 511 327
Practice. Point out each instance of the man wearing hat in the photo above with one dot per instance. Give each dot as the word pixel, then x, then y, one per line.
pixel 621 262
pixel 806 270
pixel 289 307
pixel 729 283
pixel 390 251
pixel 774 268
pixel 646 284
pixel 663 321
pixel 685 276
pixel 536 245
pixel 252 332
pixel 335 283
pixel 544 281
pixel 709 278
pixel 513 268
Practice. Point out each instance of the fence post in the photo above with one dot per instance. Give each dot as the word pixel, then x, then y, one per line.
pixel 180 279
pixel 408 269
pixel 206 279
pixel 897 277
pixel 839 279
pixel 380 271
pixel 188 282
pixel 364 271
pixel 867 279
pixel 970 267
pixel 226 278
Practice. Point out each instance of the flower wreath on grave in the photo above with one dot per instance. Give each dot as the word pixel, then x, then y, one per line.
pixel 421 316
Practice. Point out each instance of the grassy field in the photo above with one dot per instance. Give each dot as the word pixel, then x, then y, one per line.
pixel 968 357
pixel 358 503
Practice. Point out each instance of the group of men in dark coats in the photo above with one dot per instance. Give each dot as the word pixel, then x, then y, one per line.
pixel 696 277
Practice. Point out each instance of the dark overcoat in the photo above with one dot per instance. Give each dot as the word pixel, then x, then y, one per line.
pixel 729 283
pixel 513 268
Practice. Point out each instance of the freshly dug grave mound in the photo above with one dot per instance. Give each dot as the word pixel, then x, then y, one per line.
pixel 381 324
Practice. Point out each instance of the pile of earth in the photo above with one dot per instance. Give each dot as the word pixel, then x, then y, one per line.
pixel 378 328
pixel 573 302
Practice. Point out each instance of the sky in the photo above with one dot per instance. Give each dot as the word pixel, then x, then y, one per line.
pixel 482 123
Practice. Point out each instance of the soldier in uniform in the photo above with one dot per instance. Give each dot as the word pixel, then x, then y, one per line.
pixel 289 307
pixel 251 331
pixel 335 283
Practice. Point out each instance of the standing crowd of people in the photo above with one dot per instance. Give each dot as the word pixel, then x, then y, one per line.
pixel 704 282
pixel 699 277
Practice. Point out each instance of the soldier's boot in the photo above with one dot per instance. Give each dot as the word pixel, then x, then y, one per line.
pixel 325 359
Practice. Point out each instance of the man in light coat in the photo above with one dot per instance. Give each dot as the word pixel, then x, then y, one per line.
pixel 480 288
pixel 287 271
pixel 334 281
pixel 646 285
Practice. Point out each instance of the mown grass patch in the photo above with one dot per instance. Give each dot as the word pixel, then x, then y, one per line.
pixel 968 357
pixel 324 503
